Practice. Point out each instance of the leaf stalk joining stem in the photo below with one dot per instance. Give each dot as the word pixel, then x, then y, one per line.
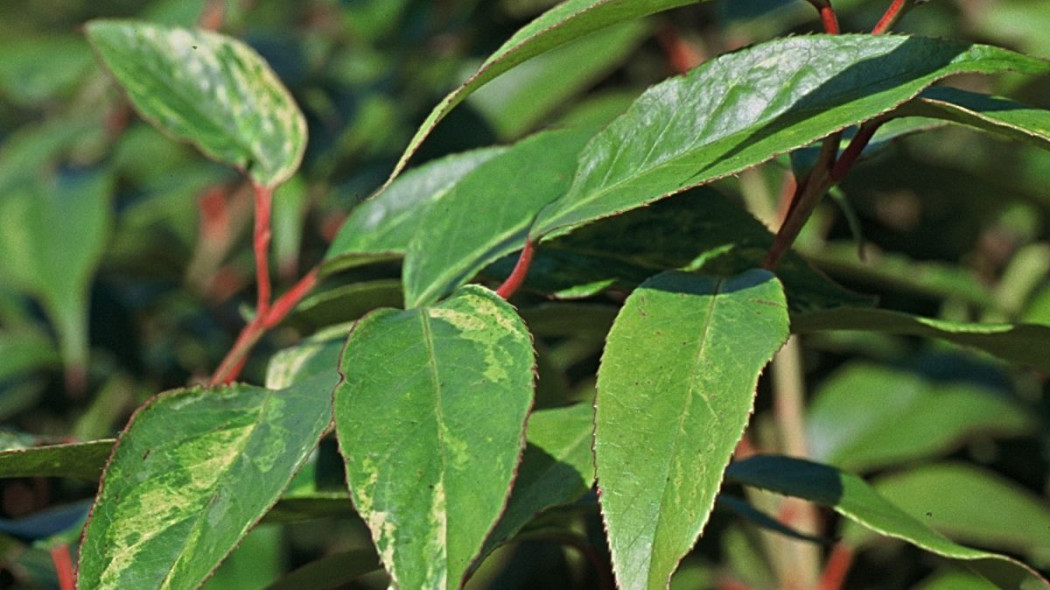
pixel 521 269
pixel 268 314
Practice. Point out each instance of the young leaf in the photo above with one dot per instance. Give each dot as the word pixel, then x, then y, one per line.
pixel 192 473
pixel 993 114
pixel 866 417
pixel 505 192
pixel 954 498
pixel 562 24
pixel 382 226
pixel 207 89
pixel 52 237
pixel 744 108
pixel 430 419
pixel 675 389
pixel 851 497
pixel 1024 344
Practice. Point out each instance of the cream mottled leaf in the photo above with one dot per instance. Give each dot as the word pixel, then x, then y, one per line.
pixel 430 419
pixel 675 389
pixel 192 473
pixel 208 89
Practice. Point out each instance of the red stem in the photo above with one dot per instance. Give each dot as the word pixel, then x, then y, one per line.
pixel 830 20
pixel 517 276
pixel 287 302
pixel 890 18
pixel 261 242
pixel 231 366
pixel 853 151
pixel 63 561
pixel 807 195
pixel 837 568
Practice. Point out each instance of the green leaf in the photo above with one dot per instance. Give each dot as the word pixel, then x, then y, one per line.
pixel 866 417
pixel 892 270
pixel 24 350
pixel 430 419
pixel 207 89
pixel 330 571
pixel 344 304
pixel 675 389
pixel 562 24
pixel 505 192
pixel 318 354
pixel 192 473
pixel 82 461
pixel 52 237
pixel 699 230
pixel 1024 344
pixel 956 580
pixel 851 497
pixel 519 100
pixel 381 227
pixel 760 519
pixel 746 107
pixel 954 498
pixel 26 83
pixel 993 114
pixel 556 469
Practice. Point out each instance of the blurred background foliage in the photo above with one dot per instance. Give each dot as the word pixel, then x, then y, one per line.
pixel 125 260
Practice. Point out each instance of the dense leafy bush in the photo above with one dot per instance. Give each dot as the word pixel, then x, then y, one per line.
pixel 534 356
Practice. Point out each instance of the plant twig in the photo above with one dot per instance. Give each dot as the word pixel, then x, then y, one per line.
pixel 827 16
pixel 892 15
pixel 261 243
pixel 63 561
pixel 521 269
pixel 807 195
pixel 826 174
pixel 836 568
pixel 855 148
pixel 251 334
pixel 789 402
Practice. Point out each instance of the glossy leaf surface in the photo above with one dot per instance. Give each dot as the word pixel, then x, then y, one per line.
pixel 1024 344
pixel 675 389
pixel 430 420
pixel 382 226
pixel 208 89
pixel 851 497
pixel 487 214
pixel 866 417
pixel 743 108
pixel 954 498
pixel 562 24
pixel 192 473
